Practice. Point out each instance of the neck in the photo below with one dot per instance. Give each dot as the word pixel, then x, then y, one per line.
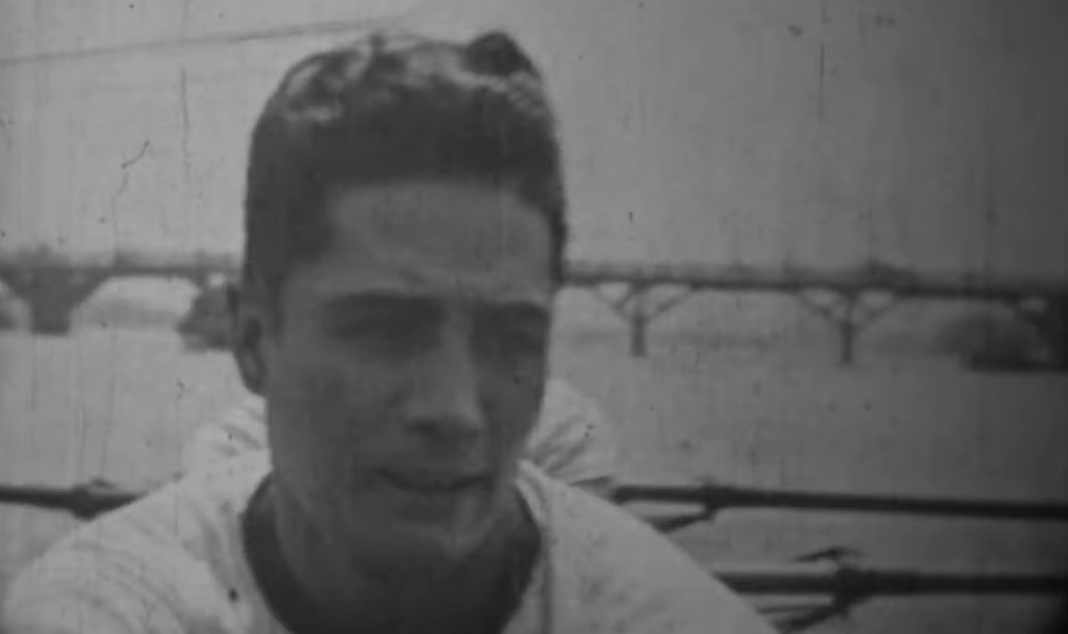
pixel 326 577
pixel 439 591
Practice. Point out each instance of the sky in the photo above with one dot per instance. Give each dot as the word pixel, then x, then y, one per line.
pixel 819 132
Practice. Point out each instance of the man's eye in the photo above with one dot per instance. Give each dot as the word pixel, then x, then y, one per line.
pixel 382 330
pixel 513 341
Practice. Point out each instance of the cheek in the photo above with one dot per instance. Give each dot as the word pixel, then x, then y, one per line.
pixel 324 402
pixel 319 429
pixel 304 425
pixel 516 399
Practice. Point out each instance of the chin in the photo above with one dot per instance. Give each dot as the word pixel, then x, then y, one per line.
pixel 388 546
pixel 395 526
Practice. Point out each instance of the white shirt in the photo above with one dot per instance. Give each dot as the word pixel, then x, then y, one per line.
pixel 572 441
pixel 173 563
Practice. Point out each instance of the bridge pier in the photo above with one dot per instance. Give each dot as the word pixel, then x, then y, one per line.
pixel 633 307
pixel 202 282
pixel 849 314
pixel 639 321
pixel 1058 332
pixel 52 295
pixel 639 309
pixel 1051 322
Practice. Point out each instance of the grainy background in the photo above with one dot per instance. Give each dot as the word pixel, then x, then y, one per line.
pixel 930 133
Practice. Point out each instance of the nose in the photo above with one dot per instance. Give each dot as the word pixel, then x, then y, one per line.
pixel 445 401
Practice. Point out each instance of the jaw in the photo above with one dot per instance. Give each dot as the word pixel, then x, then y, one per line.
pixel 393 563
pixel 409 527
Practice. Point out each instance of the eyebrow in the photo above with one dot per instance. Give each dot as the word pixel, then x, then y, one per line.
pixel 526 311
pixel 378 300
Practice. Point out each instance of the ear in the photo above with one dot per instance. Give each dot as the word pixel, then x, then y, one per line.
pixel 248 325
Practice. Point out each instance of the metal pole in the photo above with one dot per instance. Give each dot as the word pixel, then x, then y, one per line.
pixel 98 496
pixel 834 579
pixel 718 497
pixel 84 501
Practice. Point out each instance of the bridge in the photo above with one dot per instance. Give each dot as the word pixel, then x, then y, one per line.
pixel 849 299
pixel 53 286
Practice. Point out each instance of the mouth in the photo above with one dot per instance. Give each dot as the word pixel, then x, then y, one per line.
pixel 430 483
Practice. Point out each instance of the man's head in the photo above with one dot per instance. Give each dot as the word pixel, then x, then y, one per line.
pixel 394 108
pixel 405 230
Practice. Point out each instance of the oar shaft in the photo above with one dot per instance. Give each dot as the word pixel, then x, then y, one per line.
pixel 723 497
pixel 831 579
pixel 84 501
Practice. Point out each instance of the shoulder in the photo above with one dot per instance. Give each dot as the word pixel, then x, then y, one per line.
pixel 573 440
pixel 241 429
pixel 565 398
pixel 614 573
pixel 161 564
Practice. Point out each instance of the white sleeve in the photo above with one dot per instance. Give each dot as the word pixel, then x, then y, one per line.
pixel 615 574
pixel 239 431
pixel 111 578
pixel 573 440
pixel 79 592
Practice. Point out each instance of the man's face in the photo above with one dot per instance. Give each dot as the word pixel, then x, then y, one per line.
pixel 409 365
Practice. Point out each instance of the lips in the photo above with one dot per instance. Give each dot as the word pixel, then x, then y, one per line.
pixel 431 483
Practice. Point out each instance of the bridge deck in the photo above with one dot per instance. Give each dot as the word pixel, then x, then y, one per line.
pixel 53 286
pixel 585 273
pixel 791 279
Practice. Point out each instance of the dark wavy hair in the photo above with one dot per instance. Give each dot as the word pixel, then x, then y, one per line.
pixel 390 107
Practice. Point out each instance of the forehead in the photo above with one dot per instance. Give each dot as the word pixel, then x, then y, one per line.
pixel 433 238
